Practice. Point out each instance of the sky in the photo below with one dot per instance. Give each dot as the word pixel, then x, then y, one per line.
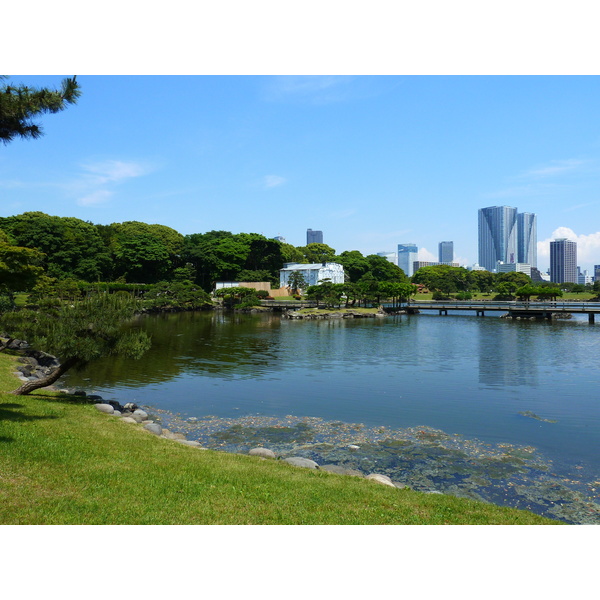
pixel 371 160
pixel 380 123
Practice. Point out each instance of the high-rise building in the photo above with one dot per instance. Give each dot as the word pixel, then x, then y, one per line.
pixel 391 256
pixel 563 261
pixel 407 254
pixel 497 236
pixel 314 237
pixel 280 239
pixel 446 252
pixel 596 272
pixel 527 238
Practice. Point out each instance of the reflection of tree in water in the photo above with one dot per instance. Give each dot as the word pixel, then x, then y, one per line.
pixel 507 353
pixel 193 342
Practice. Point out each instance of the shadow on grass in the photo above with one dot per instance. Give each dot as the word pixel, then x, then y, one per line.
pixel 10 412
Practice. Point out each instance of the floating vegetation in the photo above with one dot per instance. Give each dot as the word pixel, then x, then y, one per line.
pixel 532 415
pixel 422 458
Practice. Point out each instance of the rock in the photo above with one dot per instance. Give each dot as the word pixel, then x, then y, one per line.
pixel 105 408
pixel 193 443
pixel 141 413
pixel 154 428
pixel 117 413
pixel 353 447
pixel 131 406
pixel 262 452
pixel 341 470
pixel 135 417
pixel 96 397
pixel 128 420
pixel 79 393
pixel 299 461
pixel 383 479
pixel 172 436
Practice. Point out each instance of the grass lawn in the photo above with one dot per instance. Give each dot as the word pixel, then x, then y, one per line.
pixel 63 462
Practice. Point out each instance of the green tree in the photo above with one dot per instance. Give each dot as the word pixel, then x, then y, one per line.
pixel 19 268
pixel 317 253
pixel 296 282
pixel 78 333
pixel 20 105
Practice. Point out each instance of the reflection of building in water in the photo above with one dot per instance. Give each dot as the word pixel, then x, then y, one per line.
pixel 506 354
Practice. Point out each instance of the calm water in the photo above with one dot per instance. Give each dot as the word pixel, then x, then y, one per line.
pixel 460 374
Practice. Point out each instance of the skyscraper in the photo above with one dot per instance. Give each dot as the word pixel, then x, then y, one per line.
pixel 596 272
pixel 446 252
pixel 407 254
pixel 563 261
pixel 314 237
pixel 497 236
pixel 527 238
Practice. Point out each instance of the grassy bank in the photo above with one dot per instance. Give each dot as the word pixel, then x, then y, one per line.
pixel 63 462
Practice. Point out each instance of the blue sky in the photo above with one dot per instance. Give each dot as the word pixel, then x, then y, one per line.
pixel 372 161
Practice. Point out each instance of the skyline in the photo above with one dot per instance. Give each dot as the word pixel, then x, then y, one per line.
pixel 371 161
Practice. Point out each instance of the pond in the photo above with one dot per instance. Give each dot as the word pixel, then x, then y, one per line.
pixel 500 410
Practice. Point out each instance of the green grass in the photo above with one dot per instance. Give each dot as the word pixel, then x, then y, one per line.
pixel 63 462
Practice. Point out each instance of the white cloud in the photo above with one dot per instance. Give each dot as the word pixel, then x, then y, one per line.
pixel 588 246
pixel 319 89
pixel 556 167
pixel 96 184
pixel 98 197
pixel 426 256
pixel 271 181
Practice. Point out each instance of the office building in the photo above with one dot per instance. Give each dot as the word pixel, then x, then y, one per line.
pixel 513 267
pixel 596 272
pixel 391 256
pixel 583 278
pixel 446 252
pixel 407 254
pixel 527 238
pixel 563 261
pixel 314 237
pixel 280 239
pixel 497 236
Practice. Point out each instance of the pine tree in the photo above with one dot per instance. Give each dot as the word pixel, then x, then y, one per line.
pixel 78 333
pixel 19 105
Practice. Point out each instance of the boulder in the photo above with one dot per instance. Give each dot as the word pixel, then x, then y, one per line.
pixel 154 428
pixel 193 443
pixel 299 461
pixel 262 452
pixel 128 420
pixel 383 479
pixel 136 418
pixel 341 470
pixel 131 406
pixel 105 408
pixel 141 413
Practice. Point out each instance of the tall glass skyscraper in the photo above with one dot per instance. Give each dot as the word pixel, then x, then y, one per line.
pixel 497 236
pixel 314 237
pixel 446 252
pixel 407 254
pixel 527 238
pixel 563 261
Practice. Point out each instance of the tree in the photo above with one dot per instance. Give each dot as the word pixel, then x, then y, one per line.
pixel 296 281
pixel 78 333
pixel 19 268
pixel 20 105
pixel 317 253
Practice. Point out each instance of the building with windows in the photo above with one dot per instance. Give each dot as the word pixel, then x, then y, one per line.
pixel 596 272
pixel 407 254
pixel 513 267
pixel 391 256
pixel 446 252
pixel 583 278
pixel 280 239
pixel 313 273
pixel 527 238
pixel 497 236
pixel 563 261
pixel 314 237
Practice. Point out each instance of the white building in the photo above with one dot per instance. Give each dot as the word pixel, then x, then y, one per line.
pixel 502 267
pixel 313 273
pixel 391 256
